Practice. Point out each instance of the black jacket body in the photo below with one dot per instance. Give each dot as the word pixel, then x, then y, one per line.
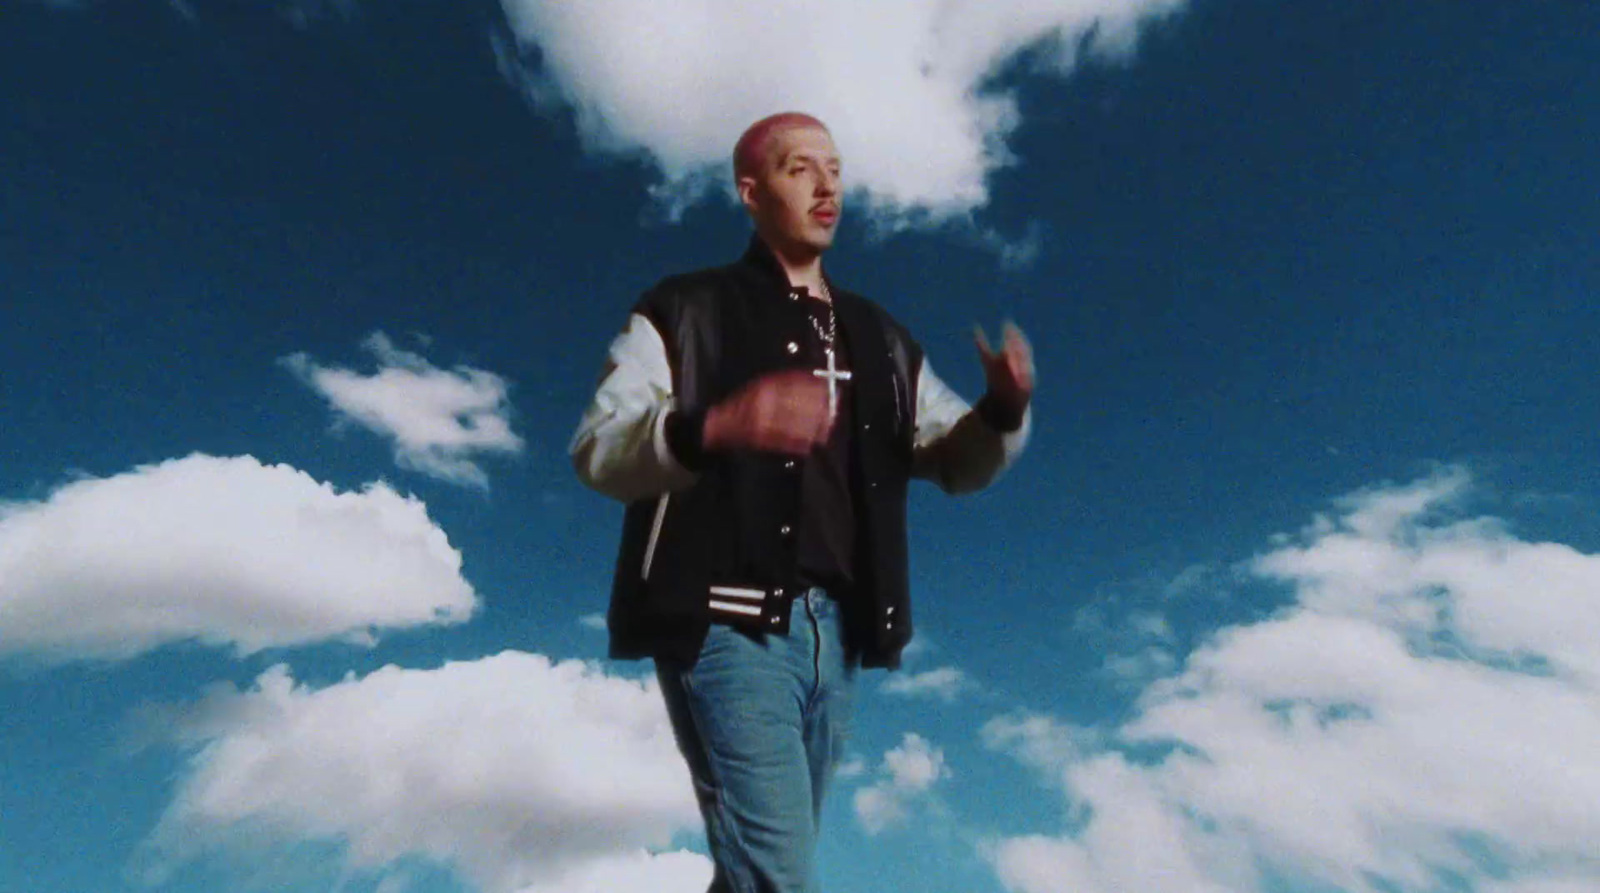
pixel 723 549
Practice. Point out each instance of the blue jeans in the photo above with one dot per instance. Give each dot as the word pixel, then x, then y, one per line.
pixel 762 721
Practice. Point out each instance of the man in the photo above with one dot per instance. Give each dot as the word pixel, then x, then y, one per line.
pixel 762 424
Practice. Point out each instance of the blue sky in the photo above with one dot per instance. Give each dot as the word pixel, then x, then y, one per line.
pixel 1296 588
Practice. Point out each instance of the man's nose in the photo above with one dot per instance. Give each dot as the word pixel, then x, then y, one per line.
pixel 828 183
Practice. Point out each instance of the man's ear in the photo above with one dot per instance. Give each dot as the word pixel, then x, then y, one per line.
pixel 747 192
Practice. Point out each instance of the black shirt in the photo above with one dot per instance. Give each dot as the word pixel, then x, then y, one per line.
pixel 827 535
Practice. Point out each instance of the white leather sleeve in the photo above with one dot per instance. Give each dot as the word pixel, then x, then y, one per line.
pixel 620 447
pixel 952 445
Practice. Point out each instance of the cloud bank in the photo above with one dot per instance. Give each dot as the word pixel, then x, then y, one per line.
pixel 1426 710
pixel 910 88
pixel 226 551
pixel 439 420
pixel 523 774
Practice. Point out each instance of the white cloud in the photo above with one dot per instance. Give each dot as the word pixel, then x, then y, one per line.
pixel 1427 706
pixel 226 551
pixel 440 420
pixel 908 87
pixel 521 774
pixel 920 646
pixel 1195 579
pixel 854 767
pixel 1137 643
pixel 1552 883
pixel 639 872
pixel 906 777
pixel 1150 625
pixel 593 621
pixel 945 683
pixel 1040 741
pixel 1140 666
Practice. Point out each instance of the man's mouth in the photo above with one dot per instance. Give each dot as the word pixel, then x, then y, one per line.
pixel 826 216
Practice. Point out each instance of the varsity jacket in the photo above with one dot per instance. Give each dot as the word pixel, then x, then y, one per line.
pixel 709 537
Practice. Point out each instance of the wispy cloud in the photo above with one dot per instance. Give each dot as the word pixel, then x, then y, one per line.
pixel 226 551
pixel 1425 709
pixel 906 777
pixel 910 89
pixel 521 774
pixel 945 683
pixel 1040 741
pixel 854 767
pixel 1138 643
pixel 440 420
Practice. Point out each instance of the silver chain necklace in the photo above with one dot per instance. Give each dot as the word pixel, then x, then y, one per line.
pixel 832 332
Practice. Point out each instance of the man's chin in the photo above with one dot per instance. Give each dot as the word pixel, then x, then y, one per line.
pixel 811 240
pixel 820 240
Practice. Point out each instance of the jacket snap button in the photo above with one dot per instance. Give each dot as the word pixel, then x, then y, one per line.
pixel 788 465
pixel 890 612
pixel 792 347
pixel 786 530
pixel 778 592
pixel 774 620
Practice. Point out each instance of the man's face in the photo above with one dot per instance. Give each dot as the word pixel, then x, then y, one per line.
pixel 794 195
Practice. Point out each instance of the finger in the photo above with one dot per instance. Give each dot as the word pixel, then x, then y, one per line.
pixel 1017 345
pixel 1014 339
pixel 792 441
pixel 1022 374
pixel 982 340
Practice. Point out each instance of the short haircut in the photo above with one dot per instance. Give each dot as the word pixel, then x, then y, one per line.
pixel 750 153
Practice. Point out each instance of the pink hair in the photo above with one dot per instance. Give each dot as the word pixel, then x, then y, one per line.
pixel 750 153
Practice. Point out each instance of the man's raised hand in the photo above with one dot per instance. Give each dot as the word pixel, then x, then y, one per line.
pixel 1009 370
pixel 785 412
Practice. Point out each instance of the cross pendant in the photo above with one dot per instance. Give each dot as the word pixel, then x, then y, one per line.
pixel 834 375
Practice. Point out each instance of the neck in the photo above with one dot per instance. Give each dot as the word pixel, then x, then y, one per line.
pixel 802 266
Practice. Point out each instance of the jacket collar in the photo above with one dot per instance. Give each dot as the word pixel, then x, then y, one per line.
pixel 759 256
